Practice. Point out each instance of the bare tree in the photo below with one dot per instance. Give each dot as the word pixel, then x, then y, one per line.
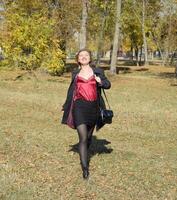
pixel 116 37
pixel 83 31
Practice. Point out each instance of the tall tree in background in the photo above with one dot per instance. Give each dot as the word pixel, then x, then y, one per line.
pixel 163 30
pixel 144 32
pixel 101 34
pixel 100 26
pixel 139 26
pixel 169 34
pixel 83 31
pixel 67 15
pixel 116 37
pixel 131 29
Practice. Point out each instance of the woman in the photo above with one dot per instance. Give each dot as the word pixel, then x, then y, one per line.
pixel 81 107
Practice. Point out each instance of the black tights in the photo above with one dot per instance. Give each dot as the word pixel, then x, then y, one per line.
pixel 85 134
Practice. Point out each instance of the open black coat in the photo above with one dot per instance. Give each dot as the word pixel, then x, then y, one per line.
pixel 105 84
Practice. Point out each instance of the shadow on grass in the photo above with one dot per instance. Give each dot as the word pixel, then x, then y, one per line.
pixel 174 84
pixel 122 62
pixel 98 146
pixel 167 75
pixel 141 69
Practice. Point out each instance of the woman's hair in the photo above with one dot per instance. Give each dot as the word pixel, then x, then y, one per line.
pixel 88 51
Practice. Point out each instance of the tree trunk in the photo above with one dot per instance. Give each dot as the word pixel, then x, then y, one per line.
pixel 100 40
pixel 131 50
pixel 144 34
pixel 101 35
pixel 168 42
pixel 140 56
pixel 116 38
pixel 83 32
pixel 157 44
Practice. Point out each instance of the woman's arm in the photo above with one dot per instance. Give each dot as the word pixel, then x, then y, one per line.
pixel 105 83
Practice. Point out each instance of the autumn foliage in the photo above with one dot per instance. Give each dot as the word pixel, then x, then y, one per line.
pixel 30 40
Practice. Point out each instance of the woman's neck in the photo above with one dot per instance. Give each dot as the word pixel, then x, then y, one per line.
pixel 85 67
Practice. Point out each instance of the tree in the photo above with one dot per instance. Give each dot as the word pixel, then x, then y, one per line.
pixel 143 32
pixel 83 31
pixel 100 26
pixel 102 9
pixel 116 37
pixel 139 26
pixel 131 30
pixel 164 28
pixel 30 41
pixel 68 21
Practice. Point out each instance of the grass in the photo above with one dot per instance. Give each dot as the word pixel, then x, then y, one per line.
pixel 133 158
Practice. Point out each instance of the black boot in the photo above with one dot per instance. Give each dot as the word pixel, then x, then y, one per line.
pixel 85 172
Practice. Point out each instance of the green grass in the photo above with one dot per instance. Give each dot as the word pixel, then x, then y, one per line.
pixel 133 158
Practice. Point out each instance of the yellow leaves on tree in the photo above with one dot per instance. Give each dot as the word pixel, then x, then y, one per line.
pixel 31 41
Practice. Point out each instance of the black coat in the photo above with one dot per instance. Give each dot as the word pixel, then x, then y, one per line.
pixel 105 84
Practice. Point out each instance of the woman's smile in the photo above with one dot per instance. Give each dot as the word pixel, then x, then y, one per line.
pixel 84 57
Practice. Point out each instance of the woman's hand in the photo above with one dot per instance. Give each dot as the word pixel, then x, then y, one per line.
pixel 97 78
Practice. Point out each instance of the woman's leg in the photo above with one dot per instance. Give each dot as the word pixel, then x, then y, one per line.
pixel 82 132
pixel 90 133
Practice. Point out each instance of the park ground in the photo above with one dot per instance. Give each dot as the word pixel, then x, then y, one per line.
pixel 134 158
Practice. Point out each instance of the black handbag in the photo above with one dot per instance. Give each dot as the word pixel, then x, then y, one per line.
pixel 106 115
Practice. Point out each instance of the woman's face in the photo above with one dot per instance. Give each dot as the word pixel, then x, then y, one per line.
pixel 84 58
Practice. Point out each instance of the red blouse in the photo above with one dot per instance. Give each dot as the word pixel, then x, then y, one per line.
pixel 86 89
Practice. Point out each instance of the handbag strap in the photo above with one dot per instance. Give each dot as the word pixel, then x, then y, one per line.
pixel 104 94
pixel 106 98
